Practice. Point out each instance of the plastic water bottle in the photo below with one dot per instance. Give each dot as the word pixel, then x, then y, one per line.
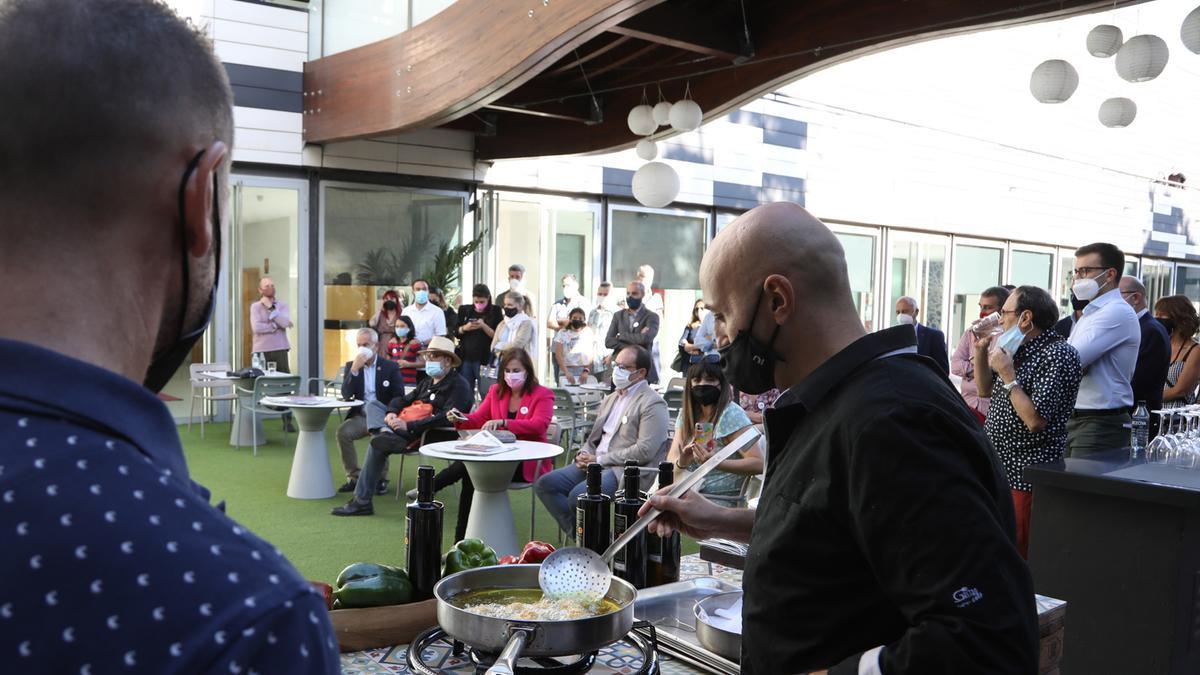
pixel 1140 434
pixel 256 361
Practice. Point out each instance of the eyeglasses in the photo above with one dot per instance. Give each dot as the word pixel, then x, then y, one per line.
pixel 1079 271
pixel 1009 311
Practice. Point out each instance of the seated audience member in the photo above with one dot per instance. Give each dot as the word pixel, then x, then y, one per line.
pixel 708 414
pixel 405 350
pixel 931 342
pixel 408 416
pixel 475 330
pixel 630 425
pixel 115 153
pixel 369 379
pixel 962 362
pixel 559 315
pixel 1154 351
pixel 1033 376
pixel 1178 315
pixel 754 405
pixel 516 403
pixel 575 348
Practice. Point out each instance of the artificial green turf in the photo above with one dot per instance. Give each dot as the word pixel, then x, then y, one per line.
pixel 318 544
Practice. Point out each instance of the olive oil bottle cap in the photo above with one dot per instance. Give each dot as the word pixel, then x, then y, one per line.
pixel 424 484
pixel 666 474
pixel 595 473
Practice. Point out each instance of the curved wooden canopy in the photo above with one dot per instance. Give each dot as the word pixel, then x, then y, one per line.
pixel 547 77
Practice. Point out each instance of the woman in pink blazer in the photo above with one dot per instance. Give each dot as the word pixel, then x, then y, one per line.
pixel 516 403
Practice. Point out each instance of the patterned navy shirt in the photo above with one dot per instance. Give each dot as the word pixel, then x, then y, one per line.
pixel 114 561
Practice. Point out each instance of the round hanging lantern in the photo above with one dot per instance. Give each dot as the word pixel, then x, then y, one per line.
pixel 662 113
pixel 1142 58
pixel 641 120
pixel 686 115
pixel 646 149
pixel 1190 32
pixel 1053 81
pixel 1104 41
pixel 655 185
pixel 1117 112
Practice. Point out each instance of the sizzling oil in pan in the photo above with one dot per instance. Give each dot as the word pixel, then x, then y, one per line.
pixel 528 604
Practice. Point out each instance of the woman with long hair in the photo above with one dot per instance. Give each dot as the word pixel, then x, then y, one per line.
pixel 516 403
pixel 475 330
pixel 405 350
pixel 709 420
pixel 575 348
pixel 1178 315
pixel 384 321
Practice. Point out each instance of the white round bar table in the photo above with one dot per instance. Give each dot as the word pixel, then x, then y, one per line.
pixel 311 476
pixel 491 517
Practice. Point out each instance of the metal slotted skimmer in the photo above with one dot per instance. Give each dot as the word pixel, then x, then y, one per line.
pixel 581 573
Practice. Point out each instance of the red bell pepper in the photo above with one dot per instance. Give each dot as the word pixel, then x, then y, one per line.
pixel 508 560
pixel 535 552
pixel 326 591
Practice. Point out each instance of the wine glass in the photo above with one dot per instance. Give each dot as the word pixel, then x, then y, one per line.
pixel 1157 450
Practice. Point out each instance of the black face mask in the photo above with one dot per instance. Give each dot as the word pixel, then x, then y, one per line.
pixel 576 324
pixel 633 303
pixel 510 312
pixel 1169 324
pixel 705 394
pixel 749 365
pixel 166 361
pixel 1077 304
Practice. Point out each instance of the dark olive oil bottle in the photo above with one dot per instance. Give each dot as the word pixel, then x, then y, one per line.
pixel 593 514
pixel 630 562
pixel 423 537
pixel 662 553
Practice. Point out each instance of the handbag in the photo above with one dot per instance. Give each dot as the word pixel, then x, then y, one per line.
pixel 681 362
pixel 417 412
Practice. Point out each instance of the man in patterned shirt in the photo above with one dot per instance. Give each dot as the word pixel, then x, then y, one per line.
pixel 1033 395
pixel 114 155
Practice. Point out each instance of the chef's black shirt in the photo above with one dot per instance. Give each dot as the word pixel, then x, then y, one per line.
pixel 885 519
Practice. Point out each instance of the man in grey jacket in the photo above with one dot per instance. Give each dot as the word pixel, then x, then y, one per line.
pixel 636 325
pixel 631 425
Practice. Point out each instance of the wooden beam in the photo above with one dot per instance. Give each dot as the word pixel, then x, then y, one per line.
pixel 582 60
pixel 635 54
pixel 674 42
pixel 537 113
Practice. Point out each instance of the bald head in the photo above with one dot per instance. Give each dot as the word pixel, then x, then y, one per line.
pixel 787 256
pixel 266 287
pixel 907 305
pixel 1133 291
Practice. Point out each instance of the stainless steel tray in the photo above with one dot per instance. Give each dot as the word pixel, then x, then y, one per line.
pixel 669 608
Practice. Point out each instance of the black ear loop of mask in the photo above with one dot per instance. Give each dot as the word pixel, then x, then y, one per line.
pixel 163 366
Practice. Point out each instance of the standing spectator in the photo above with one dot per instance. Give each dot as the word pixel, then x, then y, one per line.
pixel 1107 337
pixel 475 330
pixel 1065 324
pixel 1178 315
pixel 384 321
pixel 516 331
pixel 1154 352
pixel 369 377
pixel 962 363
pixel 707 404
pixel 438 299
pixel 575 349
pixel 405 350
pixel 755 405
pixel 110 543
pixel 697 340
pixel 599 319
pixel 269 320
pixel 428 319
pixel 1034 395
pixel 636 325
pixel 652 301
pixel 931 342
pixel 559 315
pixel 516 284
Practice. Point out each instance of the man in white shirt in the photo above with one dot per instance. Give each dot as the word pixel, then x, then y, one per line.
pixel 1107 337
pixel 561 312
pixel 428 319
pixel 630 425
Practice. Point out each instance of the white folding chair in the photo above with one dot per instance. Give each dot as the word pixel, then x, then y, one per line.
pixel 207 389
pixel 264 387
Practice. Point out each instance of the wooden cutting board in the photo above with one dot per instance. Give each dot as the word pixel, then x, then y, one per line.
pixel 373 627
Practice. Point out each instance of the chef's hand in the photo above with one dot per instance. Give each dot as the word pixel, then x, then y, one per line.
pixel 690 514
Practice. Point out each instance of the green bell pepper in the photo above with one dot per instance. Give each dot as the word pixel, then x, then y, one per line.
pixel 372 585
pixel 469 554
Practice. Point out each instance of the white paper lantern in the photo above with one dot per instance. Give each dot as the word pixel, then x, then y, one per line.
pixel 1142 58
pixel 1053 81
pixel 1190 32
pixel 655 185
pixel 686 115
pixel 641 120
pixel 646 149
pixel 662 113
pixel 1104 41
pixel 1117 112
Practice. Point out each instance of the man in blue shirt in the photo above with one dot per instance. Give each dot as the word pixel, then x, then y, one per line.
pixel 113 167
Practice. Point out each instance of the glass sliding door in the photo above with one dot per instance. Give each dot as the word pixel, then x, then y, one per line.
pixel 977 266
pixel 917 269
pixel 1032 267
pixel 377 239
pixel 1187 281
pixel 861 248
pixel 1156 275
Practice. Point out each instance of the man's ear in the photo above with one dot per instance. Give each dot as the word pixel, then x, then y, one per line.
pixel 198 199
